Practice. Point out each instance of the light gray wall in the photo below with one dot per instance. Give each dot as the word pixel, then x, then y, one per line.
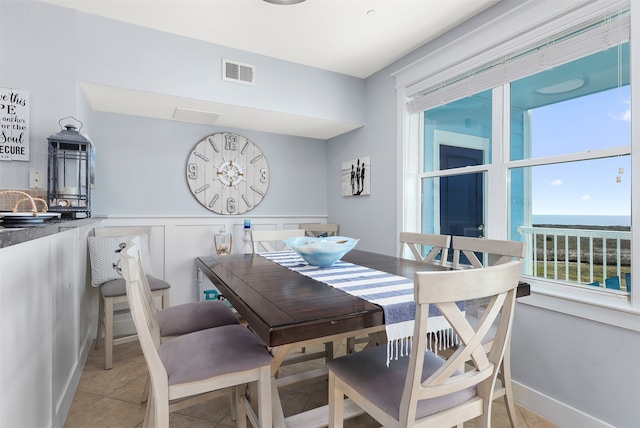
pixel 141 167
pixel 587 365
pixel 37 45
pixel 374 218
pixel 47 50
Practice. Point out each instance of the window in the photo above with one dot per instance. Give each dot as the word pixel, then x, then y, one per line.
pixel 536 147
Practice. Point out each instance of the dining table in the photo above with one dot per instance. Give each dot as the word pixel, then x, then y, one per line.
pixel 288 310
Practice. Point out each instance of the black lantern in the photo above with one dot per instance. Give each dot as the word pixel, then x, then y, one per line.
pixel 70 172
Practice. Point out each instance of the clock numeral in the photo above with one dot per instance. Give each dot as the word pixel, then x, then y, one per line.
pixel 230 142
pixel 263 175
pixel 202 189
pixel 244 148
pixel 246 201
pixel 213 145
pixel 256 159
pixel 257 191
pixel 213 200
pixel 201 156
pixel 231 205
pixel 193 171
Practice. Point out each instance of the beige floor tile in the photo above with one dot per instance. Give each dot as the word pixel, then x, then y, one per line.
pixel 112 398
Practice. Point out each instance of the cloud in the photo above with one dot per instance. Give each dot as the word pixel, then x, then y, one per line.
pixel 585 197
pixel 625 116
pixel 556 183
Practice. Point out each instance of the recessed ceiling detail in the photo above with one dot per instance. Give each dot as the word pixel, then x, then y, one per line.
pixel 161 106
pixel 195 116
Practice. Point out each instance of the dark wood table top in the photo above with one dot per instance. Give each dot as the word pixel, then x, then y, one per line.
pixel 283 306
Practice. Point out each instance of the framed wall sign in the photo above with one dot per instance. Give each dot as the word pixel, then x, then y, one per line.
pixel 14 125
pixel 356 177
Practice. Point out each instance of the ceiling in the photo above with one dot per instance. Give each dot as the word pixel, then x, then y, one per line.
pixel 352 37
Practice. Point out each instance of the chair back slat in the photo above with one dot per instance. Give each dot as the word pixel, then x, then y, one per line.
pixel 494 251
pixel 122 231
pixel 271 240
pixel 418 242
pixel 317 230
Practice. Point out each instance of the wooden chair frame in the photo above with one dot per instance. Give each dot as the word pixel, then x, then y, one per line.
pixel 444 289
pixel 106 305
pixel 266 240
pixel 416 241
pixel 317 229
pixel 495 252
pixel 159 404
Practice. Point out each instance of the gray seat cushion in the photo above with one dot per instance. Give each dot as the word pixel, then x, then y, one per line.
pixel 118 287
pixel 212 352
pixel 189 317
pixel 367 372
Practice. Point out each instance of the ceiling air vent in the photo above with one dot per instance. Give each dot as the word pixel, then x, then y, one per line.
pixel 237 72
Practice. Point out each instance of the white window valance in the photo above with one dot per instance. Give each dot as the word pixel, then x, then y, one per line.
pixel 605 34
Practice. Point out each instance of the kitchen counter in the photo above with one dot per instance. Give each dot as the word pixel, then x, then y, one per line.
pixel 12 236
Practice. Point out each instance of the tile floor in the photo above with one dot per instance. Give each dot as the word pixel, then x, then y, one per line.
pixel 111 398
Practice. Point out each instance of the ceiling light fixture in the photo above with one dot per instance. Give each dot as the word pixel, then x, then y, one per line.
pixel 284 2
pixel 559 88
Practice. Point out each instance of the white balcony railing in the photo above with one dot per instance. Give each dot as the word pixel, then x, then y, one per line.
pixel 584 256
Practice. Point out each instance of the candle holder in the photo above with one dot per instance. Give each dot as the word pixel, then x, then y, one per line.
pixel 223 242
pixel 247 248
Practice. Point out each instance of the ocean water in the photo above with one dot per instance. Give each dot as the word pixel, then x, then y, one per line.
pixel 586 220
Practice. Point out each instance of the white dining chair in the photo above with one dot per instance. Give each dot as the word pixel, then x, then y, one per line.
pixel 425 247
pixel 320 230
pixel 271 240
pixel 213 361
pixel 424 389
pixel 478 253
pixel 104 248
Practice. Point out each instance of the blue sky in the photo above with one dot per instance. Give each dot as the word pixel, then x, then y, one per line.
pixel 592 122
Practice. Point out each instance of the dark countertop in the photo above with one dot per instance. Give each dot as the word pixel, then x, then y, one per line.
pixel 13 236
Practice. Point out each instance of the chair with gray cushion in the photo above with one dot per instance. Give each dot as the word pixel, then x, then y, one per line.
pixel 477 253
pixel 424 389
pixel 104 252
pixel 214 361
pixel 173 320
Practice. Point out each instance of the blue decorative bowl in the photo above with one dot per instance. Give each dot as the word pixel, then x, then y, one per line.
pixel 322 252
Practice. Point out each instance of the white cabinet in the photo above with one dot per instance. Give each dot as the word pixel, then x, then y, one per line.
pixel 42 285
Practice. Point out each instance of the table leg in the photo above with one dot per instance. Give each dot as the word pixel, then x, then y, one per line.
pixel 279 353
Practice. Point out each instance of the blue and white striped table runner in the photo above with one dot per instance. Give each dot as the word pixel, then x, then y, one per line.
pixel 392 292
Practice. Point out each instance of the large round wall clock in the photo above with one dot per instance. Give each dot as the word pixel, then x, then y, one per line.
pixel 227 173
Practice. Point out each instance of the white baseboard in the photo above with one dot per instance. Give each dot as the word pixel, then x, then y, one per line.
pixel 553 410
pixel 65 405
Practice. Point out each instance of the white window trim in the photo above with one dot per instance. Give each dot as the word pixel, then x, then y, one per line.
pixel 539 19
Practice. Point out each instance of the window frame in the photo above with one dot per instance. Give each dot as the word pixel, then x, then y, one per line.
pixel 469 52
